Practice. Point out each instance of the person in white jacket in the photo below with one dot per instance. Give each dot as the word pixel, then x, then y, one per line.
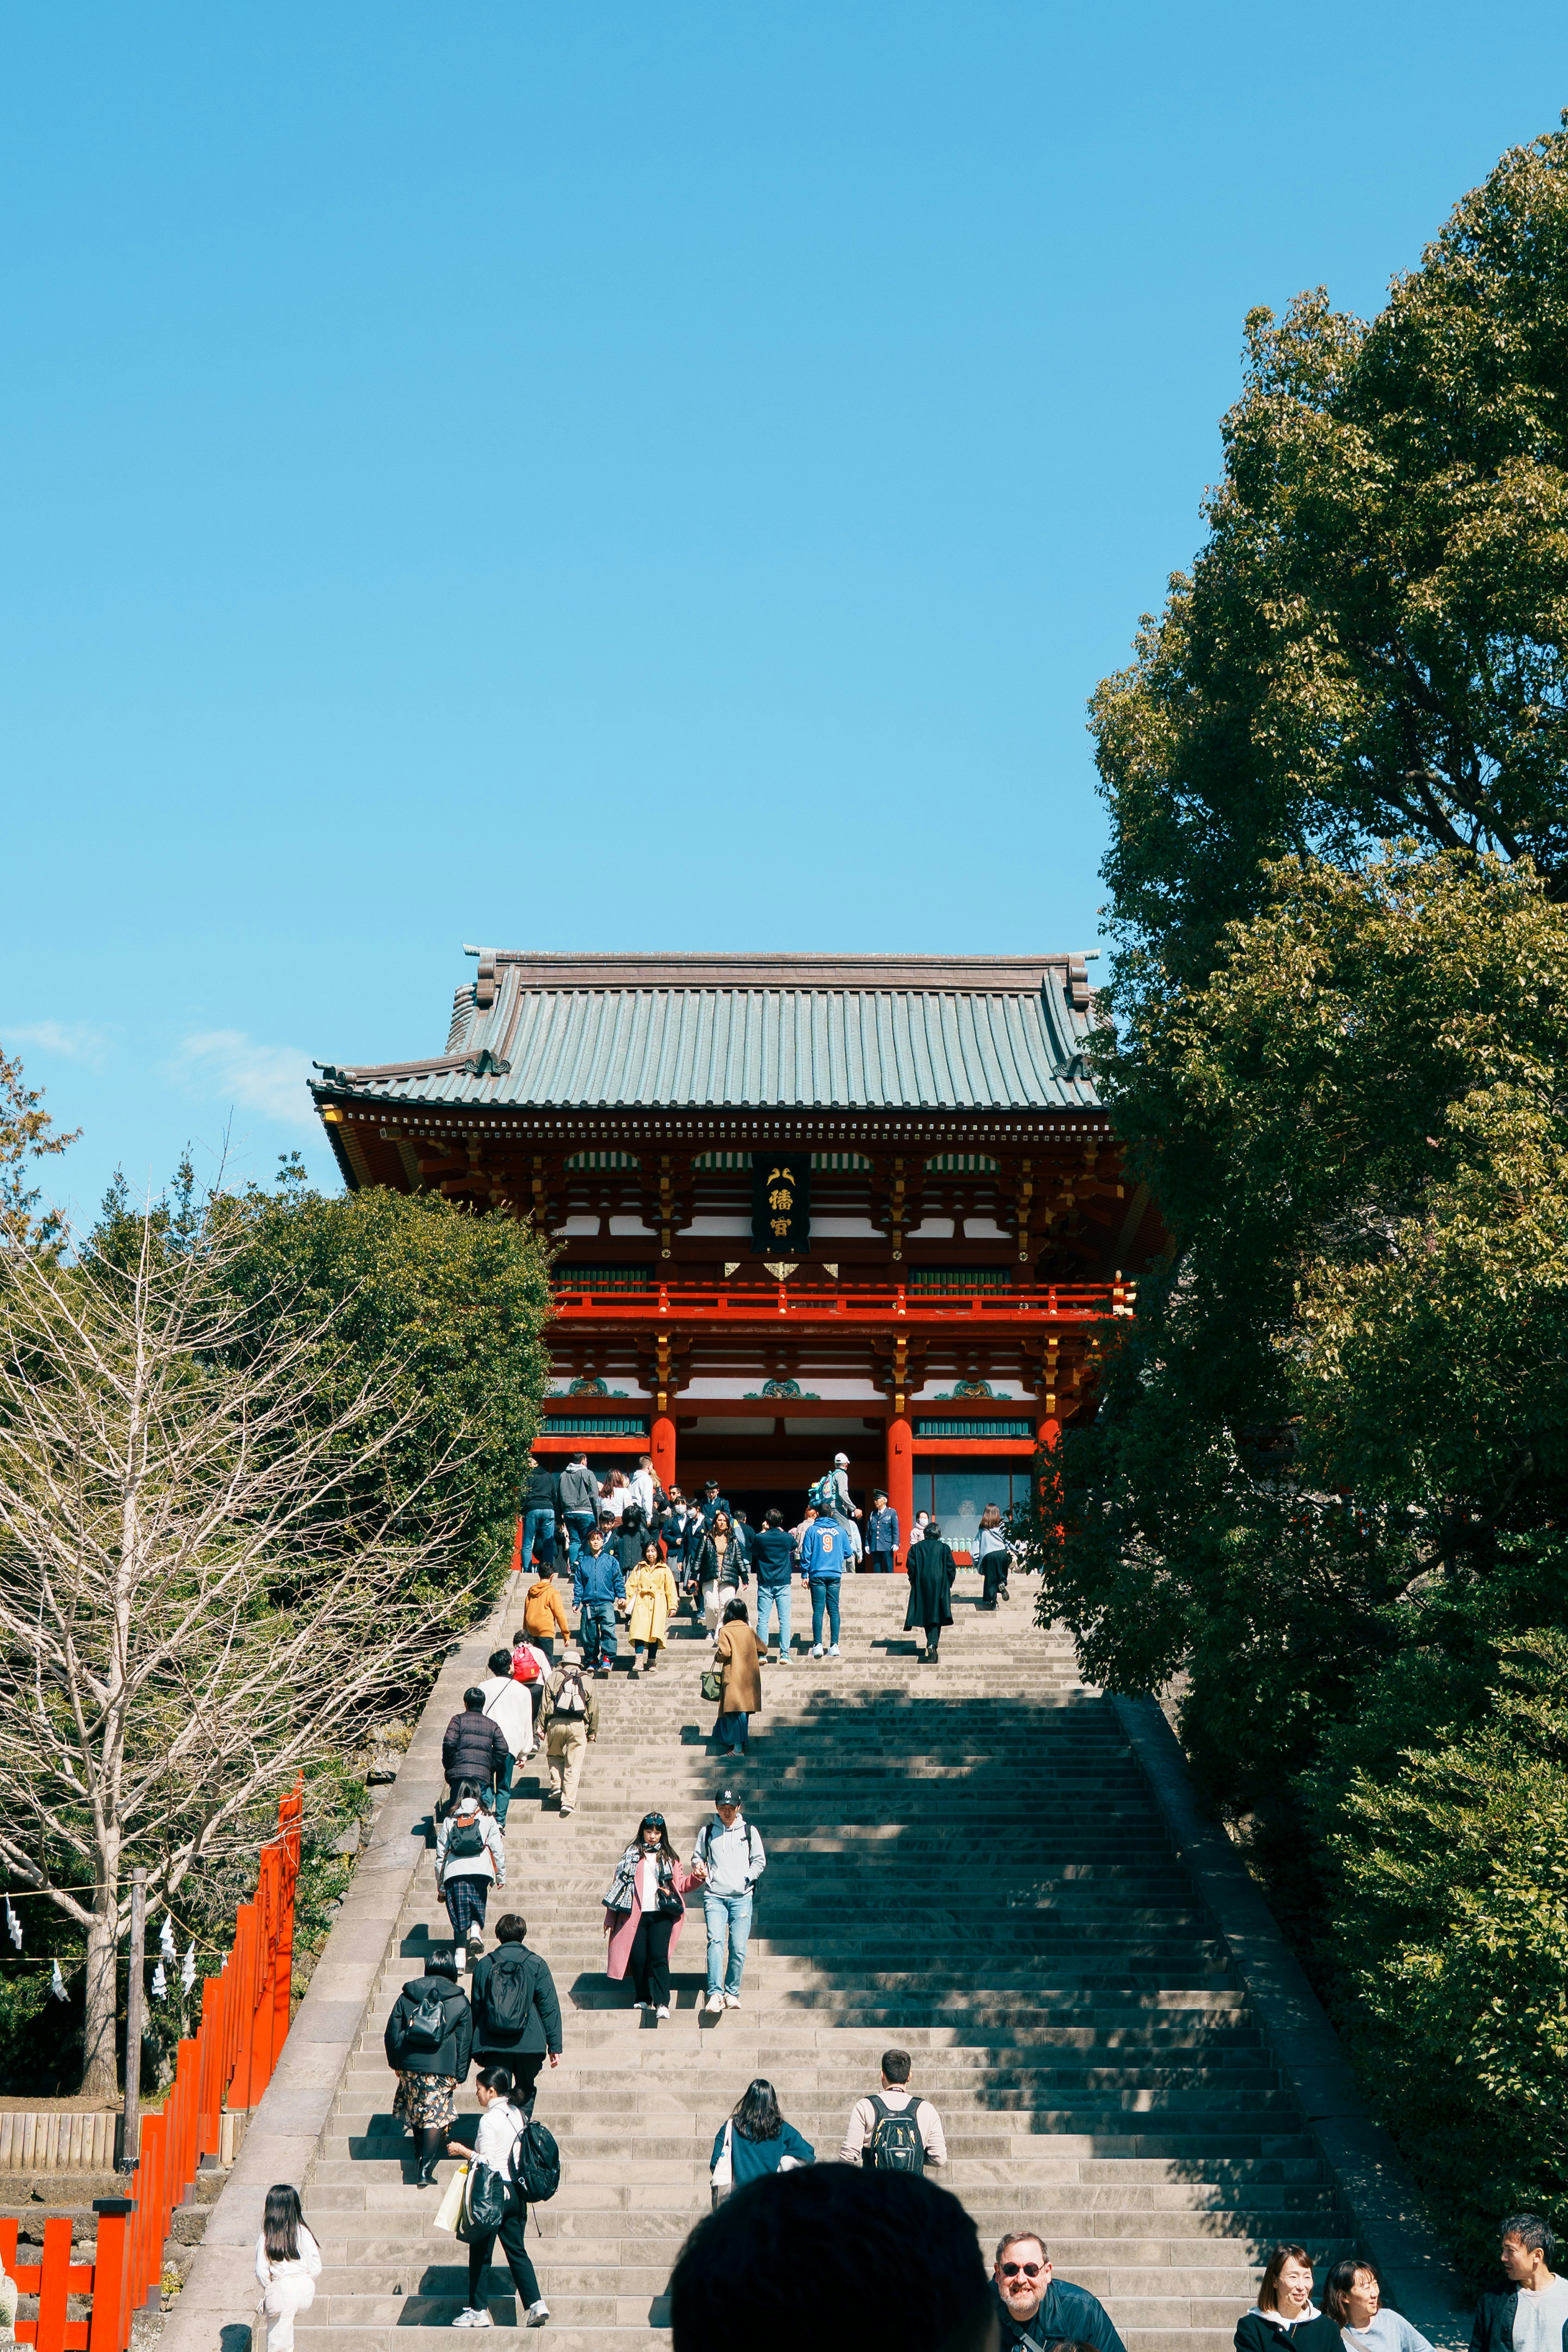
pixel 500 2127
pixel 510 1704
pixel 288 2264
pixel 470 1859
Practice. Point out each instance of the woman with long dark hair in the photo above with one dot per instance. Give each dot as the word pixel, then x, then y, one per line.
pixel 500 2127
pixel 287 2263
pixel 734 1654
pixel 644 1912
pixel 755 2140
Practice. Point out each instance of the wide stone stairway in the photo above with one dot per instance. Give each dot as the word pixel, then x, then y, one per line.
pixel 962 1859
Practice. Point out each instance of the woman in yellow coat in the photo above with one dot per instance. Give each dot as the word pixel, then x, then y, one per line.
pixel 651 1590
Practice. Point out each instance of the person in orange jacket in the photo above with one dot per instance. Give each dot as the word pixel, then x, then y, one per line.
pixel 543 1617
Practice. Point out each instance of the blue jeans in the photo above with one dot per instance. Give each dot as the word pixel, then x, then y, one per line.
pixel 540 1527
pixel 504 1791
pixel 773 1601
pixel 578 1524
pixel 824 1593
pixel 596 1632
pixel 726 1915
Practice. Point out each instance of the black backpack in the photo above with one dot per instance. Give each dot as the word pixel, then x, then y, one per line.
pixel 426 2026
pixel 535 2165
pixel 509 1994
pixel 466 1842
pixel 895 2142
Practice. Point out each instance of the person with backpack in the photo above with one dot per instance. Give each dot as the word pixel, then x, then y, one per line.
pixel 931 1569
pixel 543 1618
pixel 516 2015
pixel 501 2126
pixel 836 1494
pixel 891 2130
pixel 428 2042
pixel 650 1589
pixel 644 1912
pixel 821 1568
pixel 881 1535
pixel 470 1860
pixel 730 1854
pixel 775 1554
pixel 992 1557
pixel 508 1703
pixel 474 1750
pixel 596 1588
pixel 754 2141
pixel 568 1717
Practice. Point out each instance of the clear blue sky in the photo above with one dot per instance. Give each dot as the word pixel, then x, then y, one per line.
pixel 614 475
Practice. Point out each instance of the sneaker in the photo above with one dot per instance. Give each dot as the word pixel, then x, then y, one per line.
pixel 538 2314
pixel 469 2317
pixel 732 2001
pixel 567 1811
pixel 663 2013
pixel 601 1673
pixel 834 1651
pixel 476 1938
pixel 817 1650
pixel 715 2001
pixel 642 2004
pixel 786 1657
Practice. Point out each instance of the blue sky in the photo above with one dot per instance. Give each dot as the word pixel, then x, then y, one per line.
pixel 611 475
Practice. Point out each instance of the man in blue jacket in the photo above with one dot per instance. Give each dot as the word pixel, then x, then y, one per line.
pixel 881 1535
pixel 1037 2309
pixel 596 1587
pixel 823 1550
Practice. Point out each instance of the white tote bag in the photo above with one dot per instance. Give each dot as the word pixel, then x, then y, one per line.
pixel 451 2205
pixel 723 2166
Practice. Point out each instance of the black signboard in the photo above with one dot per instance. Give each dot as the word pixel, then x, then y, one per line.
pixel 780 1203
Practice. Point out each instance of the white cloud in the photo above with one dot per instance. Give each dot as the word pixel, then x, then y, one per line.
pixel 76 1041
pixel 225 1065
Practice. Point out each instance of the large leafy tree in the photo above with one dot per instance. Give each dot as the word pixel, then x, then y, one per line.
pixel 1323 1492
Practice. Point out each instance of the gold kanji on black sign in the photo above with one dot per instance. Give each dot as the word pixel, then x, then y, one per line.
pixel 780 1203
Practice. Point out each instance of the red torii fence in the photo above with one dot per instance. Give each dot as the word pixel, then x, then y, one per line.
pixel 229 2062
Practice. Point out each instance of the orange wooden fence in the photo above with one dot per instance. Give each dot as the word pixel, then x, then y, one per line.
pixel 229 2062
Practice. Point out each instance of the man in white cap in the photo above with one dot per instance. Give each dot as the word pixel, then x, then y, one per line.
pixel 729 1854
pixel 843 1511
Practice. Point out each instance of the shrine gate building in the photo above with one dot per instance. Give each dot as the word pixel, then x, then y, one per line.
pixel 802 1206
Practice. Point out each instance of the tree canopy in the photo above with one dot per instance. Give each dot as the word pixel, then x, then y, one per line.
pixel 1324 1499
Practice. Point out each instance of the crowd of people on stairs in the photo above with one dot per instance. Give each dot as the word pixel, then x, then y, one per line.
pixel 739 2279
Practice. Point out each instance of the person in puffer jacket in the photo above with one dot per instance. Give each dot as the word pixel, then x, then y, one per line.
pixel 473 1750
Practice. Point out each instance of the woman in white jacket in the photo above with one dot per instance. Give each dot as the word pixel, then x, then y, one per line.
pixel 287 2263
pixel 500 2128
pixel 470 1858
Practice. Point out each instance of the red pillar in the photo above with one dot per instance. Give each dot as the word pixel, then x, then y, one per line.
pixel 109 2325
pixel 900 1477
pixel 662 1446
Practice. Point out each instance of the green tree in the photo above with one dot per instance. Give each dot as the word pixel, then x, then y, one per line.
pixel 1323 1494
pixel 26 1136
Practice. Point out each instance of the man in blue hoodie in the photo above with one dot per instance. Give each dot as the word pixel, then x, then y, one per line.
pixel 823 1550
pixel 596 1587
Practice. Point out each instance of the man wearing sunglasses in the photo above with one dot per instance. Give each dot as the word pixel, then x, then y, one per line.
pixel 1037 2309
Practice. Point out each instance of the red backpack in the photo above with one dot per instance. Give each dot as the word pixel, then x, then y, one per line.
pixel 525 1665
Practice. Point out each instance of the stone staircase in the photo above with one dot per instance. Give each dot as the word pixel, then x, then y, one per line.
pixel 962 1859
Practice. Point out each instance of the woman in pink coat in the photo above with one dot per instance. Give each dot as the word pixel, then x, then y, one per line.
pixel 644 1912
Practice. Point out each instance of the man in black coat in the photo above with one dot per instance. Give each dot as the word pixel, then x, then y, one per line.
pixel 473 1750
pixel 429 2069
pixel 1534 2291
pixel 932 1569
pixel 516 2015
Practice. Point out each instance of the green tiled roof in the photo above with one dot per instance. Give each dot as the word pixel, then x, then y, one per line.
pixel 797 1033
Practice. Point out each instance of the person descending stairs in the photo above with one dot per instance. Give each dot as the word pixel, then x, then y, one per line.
pixel 963 1860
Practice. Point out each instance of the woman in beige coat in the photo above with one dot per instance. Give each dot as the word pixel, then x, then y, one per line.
pixel 650 1589
pixel 735 1654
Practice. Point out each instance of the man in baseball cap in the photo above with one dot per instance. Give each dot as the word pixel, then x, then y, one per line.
pixel 728 1853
